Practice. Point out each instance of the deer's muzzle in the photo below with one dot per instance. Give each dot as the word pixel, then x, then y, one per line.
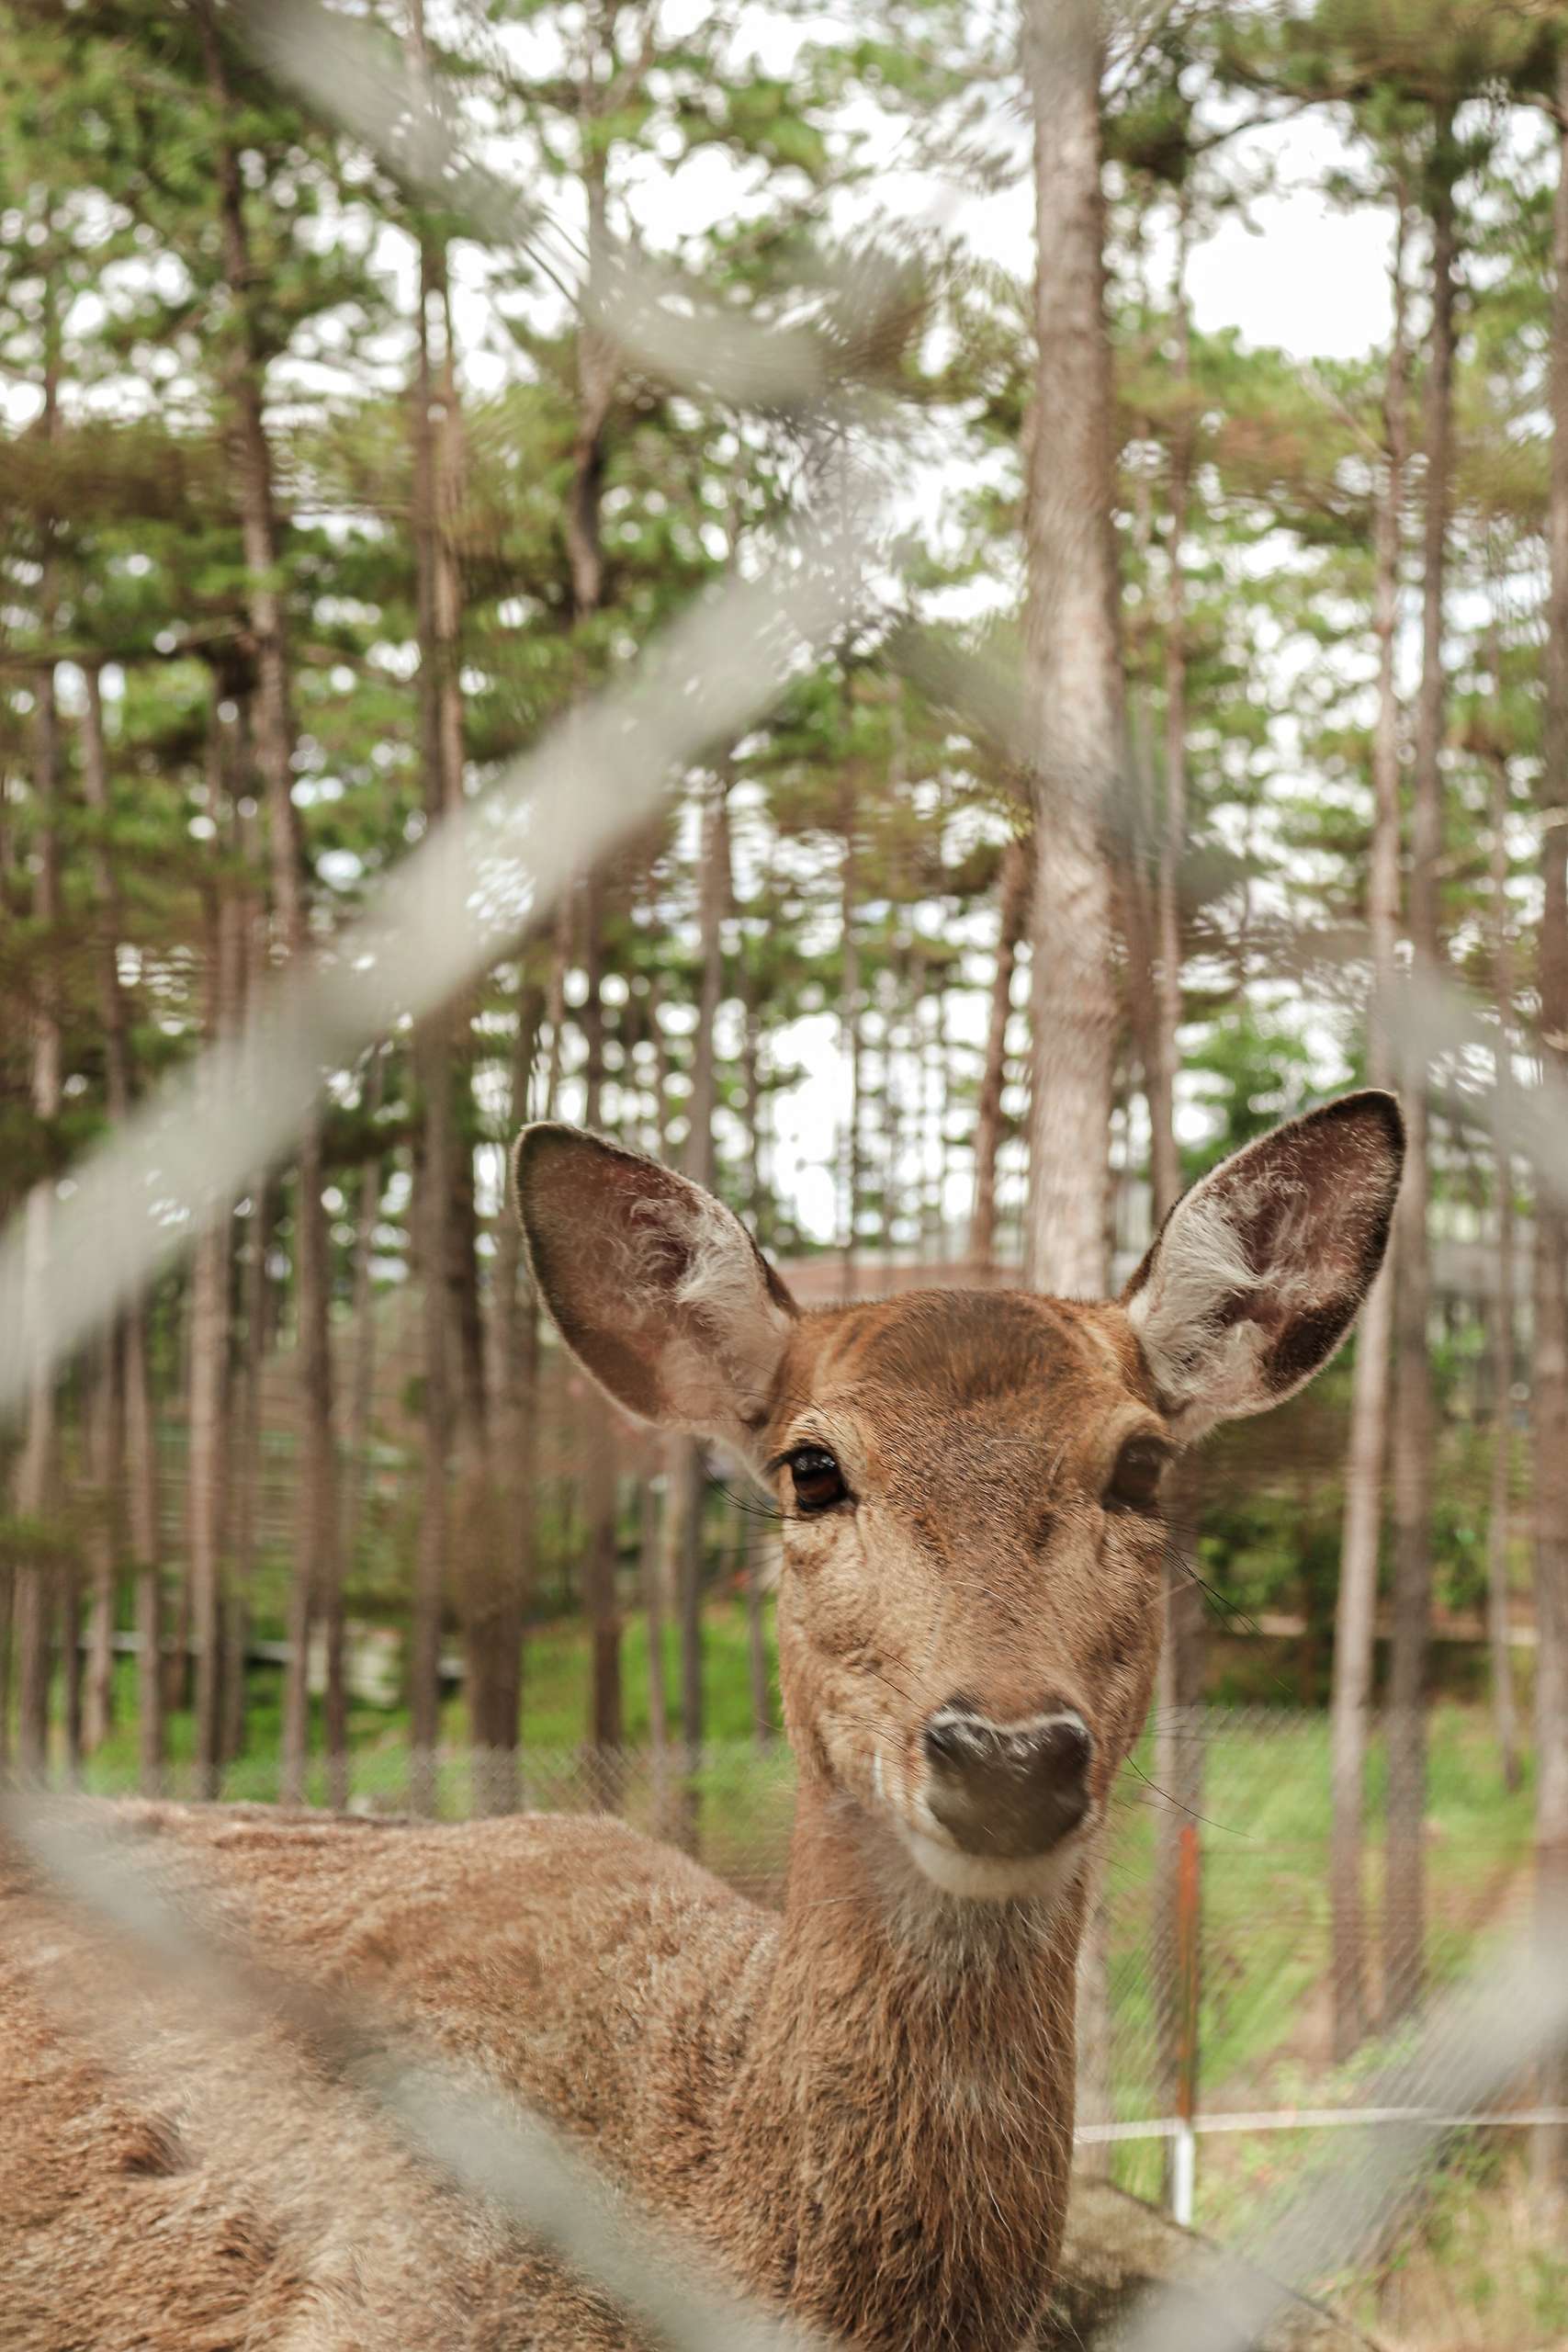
pixel 1007 1791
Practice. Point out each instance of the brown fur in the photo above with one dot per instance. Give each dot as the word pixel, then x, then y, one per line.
pixel 861 2110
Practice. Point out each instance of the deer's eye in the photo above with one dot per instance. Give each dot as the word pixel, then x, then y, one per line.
pixel 818 1481
pixel 1135 1482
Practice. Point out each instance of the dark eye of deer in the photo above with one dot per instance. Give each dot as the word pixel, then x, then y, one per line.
pixel 1135 1482
pixel 818 1481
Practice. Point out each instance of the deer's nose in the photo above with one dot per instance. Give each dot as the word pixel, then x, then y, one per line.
pixel 1009 1789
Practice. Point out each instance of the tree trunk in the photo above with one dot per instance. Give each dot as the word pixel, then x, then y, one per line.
pixel 108 1411
pixel 1412 1440
pixel 317 1564
pixel 357 1435
pixel 517 1389
pixel 1504 1708
pixel 37 1470
pixel 1178 1740
pixel 7 1588
pixel 1072 666
pixel 432 1193
pixel 443 1516
pixel 1011 915
pixel 751 1054
pixel 130 1345
pixel 144 1511
pixel 651 1585
pixel 1356 1606
pixel 207 1362
pixel 244 1446
pixel 1549 2153
pixel 933 1064
pixel 106 1442
pixel 715 897
pixel 605 1729
pixel 849 1012
pixel 1073 682
pixel 253 1296
pixel 1160 1081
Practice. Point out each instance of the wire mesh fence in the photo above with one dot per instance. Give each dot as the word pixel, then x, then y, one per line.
pixel 1203 2007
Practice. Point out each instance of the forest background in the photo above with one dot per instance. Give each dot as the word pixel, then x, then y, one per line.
pixel 1202 718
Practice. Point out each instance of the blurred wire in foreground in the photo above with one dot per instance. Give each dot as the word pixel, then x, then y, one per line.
pixel 661 317
pixel 488 2147
pixel 451 908
pixel 1474 2046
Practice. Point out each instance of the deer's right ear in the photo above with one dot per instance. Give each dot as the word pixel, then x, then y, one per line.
pixel 655 1287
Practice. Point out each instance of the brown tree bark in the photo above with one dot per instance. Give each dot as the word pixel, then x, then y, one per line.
pixel 1160 1081
pixel 432 1193
pixel 1073 685
pixel 934 1065
pixel 1178 1740
pixel 751 1068
pixel 1072 672
pixel 1548 2152
pixel 715 892
pixel 658 1534
pixel 317 1564
pixel 37 1489
pixel 851 1011
pixel 456 1529
pixel 516 1390
pixel 244 1453
pixel 1501 1318
pixel 651 1583
pixel 1404 1930
pixel 1356 1603
pixel 129 1347
pixel 38 1468
pixel 606 1728
pixel 253 1296
pixel 145 1515
pixel 362 1387
pixel 1012 913
pixel 105 1437
pixel 109 1409
pixel 207 1356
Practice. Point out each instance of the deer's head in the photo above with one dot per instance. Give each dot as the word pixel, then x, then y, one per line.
pixel 970 1482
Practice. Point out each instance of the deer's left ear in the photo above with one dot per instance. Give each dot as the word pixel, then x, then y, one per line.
pixel 1258 1270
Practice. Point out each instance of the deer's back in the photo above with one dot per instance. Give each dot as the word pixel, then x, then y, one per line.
pixel 171 2180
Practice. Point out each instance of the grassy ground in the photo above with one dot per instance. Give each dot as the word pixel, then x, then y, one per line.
pixel 1481 2268
pixel 554 1703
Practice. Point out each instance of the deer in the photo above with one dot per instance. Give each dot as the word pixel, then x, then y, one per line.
pixel 857 2109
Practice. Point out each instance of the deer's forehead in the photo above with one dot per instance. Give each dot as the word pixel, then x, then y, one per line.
pixel 990 1380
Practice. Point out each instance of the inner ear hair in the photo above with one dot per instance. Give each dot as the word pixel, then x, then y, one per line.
pixel 655 1286
pixel 1257 1273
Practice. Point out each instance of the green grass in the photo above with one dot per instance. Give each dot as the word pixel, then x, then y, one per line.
pixel 556 1678
pixel 1263 2026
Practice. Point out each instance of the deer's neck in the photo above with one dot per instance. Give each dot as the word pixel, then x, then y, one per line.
pixel 902 2128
